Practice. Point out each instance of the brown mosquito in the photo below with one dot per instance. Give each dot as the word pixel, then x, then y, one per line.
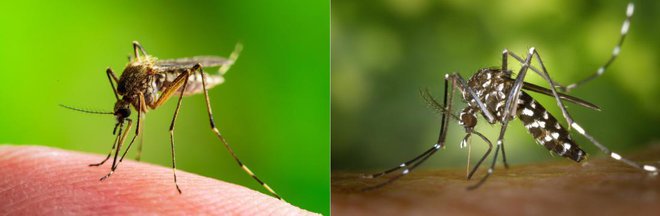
pixel 147 83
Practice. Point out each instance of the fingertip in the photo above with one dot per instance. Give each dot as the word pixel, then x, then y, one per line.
pixel 42 180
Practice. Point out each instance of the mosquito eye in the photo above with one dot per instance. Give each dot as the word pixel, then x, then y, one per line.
pixel 123 112
pixel 126 112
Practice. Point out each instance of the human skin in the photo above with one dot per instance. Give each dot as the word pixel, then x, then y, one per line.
pixel 596 186
pixel 38 180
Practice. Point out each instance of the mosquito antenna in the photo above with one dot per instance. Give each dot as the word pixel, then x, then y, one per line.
pixel 85 111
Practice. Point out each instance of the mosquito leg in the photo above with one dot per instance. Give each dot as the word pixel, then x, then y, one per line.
pixel 615 52
pixel 109 153
pixel 466 142
pixel 509 112
pixel 138 128
pixel 111 77
pixel 446 103
pixel 179 81
pixel 138 48
pixel 490 147
pixel 435 105
pixel 215 130
pixel 646 167
pixel 176 113
pixel 405 164
pixel 446 114
pixel 505 65
pixel 404 172
pixel 232 58
pixel 431 101
pixel 122 136
pixel 139 150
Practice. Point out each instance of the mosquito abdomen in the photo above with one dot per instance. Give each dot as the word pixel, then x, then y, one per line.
pixel 546 129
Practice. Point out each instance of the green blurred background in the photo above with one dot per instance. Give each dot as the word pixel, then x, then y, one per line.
pixel 384 52
pixel 273 107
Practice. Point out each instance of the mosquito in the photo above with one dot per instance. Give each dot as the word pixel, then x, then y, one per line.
pixel 499 98
pixel 147 83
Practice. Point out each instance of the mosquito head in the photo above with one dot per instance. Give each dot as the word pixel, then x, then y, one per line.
pixel 468 118
pixel 122 110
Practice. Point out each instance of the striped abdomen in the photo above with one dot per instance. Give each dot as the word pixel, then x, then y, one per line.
pixel 546 129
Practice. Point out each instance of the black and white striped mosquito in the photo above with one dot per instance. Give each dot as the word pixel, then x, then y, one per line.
pixel 148 82
pixel 499 98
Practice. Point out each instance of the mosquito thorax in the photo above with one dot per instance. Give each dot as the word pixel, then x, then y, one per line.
pixel 134 79
pixel 491 87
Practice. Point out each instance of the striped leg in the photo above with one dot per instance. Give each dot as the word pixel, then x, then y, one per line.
pixel 232 58
pixel 505 65
pixel 413 163
pixel 646 167
pixel 215 130
pixel 422 158
pixel 446 114
pixel 183 77
pixel 615 53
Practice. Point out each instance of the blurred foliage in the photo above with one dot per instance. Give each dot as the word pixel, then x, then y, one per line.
pixel 384 52
pixel 273 108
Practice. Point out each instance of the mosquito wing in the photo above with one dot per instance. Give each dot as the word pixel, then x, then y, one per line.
pixel 205 61
pixel 545 91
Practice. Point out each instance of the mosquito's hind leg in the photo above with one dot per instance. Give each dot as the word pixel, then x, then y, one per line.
pixel 646 167
pixel 215 130
pixel 179 81
pixel 182 78
pixel 615 53
pixel 232 58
